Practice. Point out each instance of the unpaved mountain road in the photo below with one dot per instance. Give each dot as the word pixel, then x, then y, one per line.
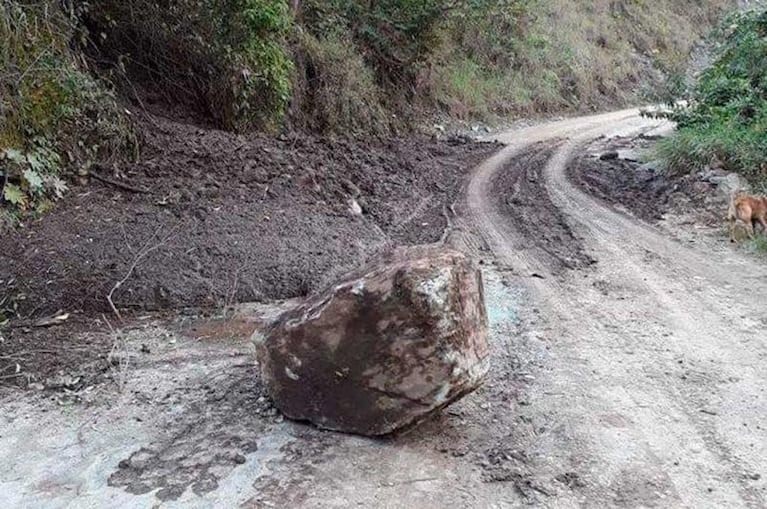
pixel 656 363
pixel 629 370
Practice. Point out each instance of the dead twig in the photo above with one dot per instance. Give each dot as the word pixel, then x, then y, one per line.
pixel 121 185
pixel 143 253
pixel 231 295
pixel 118 354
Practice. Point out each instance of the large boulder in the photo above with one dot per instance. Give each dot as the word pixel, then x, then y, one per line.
pixel 383 349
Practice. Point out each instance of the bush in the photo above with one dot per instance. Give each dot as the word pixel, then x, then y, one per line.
pixel 224 58
pixel 334 91
pixel 727 112
pixel 394 36
pixel 54 116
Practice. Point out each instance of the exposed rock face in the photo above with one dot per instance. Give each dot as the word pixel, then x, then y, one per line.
pixel 383 349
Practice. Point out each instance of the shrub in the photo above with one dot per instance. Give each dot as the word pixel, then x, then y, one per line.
pixel 54 116
pixel 727 112
pixel 224 57
pixel 334 91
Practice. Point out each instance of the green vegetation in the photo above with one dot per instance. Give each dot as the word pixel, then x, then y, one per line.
pixel 542 56
pixel 334 89
pixel 54 115
pixel 223 58
pixel 727 112
pixel 759 244
pixel 490 58
pixel 343 66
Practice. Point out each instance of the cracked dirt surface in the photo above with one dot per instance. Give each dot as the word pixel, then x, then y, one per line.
pixel 637 380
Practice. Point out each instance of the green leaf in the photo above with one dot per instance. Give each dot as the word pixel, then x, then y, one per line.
pixel 59 187
pixel 34 163
pixel 33 180
pixel 15 196
pixel 43 206
pixel 14 155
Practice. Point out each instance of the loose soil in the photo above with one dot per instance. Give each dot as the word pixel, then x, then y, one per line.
pixel 643 189
pixel 521 197
pixel 636 383
pixel 209 218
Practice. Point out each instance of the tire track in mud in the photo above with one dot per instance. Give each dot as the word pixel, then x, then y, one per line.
pixel 638 428
pixel 520 194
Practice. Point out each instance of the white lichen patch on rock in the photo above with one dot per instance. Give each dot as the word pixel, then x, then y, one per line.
pixel 435 289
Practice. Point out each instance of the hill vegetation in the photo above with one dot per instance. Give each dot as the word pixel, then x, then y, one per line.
pixel 726 116
pixel 76 75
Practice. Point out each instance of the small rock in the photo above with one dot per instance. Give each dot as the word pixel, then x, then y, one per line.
pixel 732 184
pixel 629 155
pixel 354 207
pixel 652 167
pixel 609 156
pixel 352 188
pixel 714 176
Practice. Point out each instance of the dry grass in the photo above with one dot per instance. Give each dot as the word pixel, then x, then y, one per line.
pixel 334 91
pixel 579 55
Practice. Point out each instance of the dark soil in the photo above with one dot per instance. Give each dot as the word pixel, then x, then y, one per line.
pixel 526 201
pixel 63 359
pixel 232 218
pixel 642 189
pixel 206 219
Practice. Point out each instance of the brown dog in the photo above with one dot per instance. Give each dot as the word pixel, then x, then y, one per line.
pixel 750 210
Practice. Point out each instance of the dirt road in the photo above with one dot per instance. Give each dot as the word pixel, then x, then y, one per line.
pixel 655 374
pixel 629 371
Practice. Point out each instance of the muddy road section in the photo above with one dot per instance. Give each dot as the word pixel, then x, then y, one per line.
pixel 654 373
pixel 635 381
pixel 611 170
pixel 224 218
pixel 207 219
pixel 520 195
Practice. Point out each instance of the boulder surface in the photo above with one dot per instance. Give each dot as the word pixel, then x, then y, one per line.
pixel 383 349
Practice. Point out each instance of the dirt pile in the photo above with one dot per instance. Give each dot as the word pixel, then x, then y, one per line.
pixel 611 171
pixel 209 218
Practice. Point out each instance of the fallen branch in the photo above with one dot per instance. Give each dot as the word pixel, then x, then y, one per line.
pixel 143 252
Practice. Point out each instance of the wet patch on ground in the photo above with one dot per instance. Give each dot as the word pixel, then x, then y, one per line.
pixel 218 430
pixel 522 197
